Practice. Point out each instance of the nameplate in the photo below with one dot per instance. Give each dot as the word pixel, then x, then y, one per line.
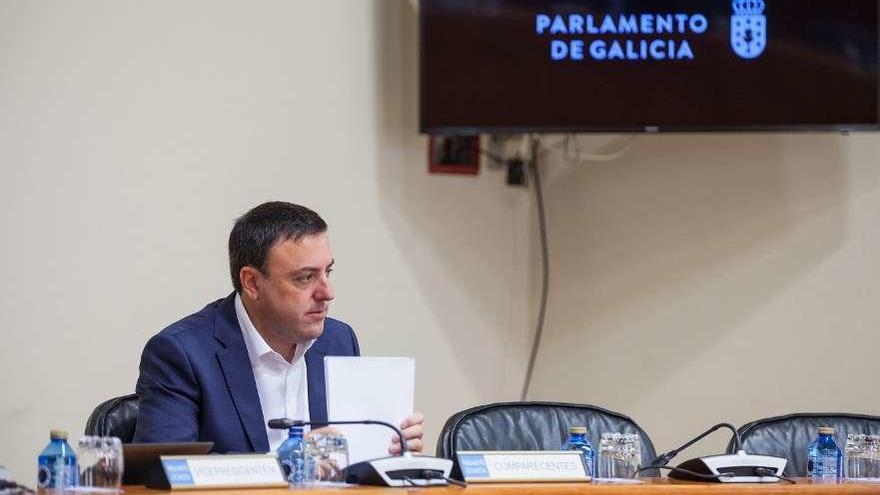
pixel 222 471
pixel 512 466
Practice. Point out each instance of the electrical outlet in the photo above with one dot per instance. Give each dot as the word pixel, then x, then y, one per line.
pixel 516 172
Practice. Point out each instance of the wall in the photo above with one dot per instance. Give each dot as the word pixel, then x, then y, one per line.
pixel 132 134
pixel 698 278
pixel 703 278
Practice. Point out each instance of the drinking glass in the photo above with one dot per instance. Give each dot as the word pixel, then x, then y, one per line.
pixel 100 463
pixel 861 458
pixel 330 454
pixel 619 455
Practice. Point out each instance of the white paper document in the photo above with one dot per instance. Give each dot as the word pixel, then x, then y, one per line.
pixel 369 388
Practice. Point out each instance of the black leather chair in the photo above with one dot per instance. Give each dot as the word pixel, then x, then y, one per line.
pixel 532 426
pixel 789 436
pixel 116 417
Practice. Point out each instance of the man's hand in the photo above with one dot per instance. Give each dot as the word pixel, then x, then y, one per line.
pixel 412 432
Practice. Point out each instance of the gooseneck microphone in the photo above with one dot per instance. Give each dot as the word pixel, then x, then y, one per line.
pixel 400 470
pixel 663 459
pixel 285 424
pixel 728 468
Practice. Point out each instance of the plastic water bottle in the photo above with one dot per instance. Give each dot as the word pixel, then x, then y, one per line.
pixel 577 440
pixel 824 456
pixel 56 465
pixel 292 455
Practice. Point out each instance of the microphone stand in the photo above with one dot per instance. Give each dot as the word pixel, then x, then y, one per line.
pixel 400 470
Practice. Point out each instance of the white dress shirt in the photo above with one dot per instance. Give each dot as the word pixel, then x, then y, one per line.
pixel 283 387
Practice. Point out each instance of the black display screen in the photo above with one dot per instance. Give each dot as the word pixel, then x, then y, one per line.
pixel 635 65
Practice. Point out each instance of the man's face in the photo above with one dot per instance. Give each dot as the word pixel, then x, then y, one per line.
pixel 294 293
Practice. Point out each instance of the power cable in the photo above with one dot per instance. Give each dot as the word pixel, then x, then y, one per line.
pixel 545 269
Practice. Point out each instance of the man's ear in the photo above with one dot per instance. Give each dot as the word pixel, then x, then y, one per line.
pixel 248 277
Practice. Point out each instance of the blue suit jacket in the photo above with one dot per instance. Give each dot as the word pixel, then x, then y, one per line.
pixel 196 382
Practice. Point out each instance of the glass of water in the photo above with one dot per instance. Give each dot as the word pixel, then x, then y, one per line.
pixel 100 463
pixel 329 452
pixel 619 455
pixel 861 458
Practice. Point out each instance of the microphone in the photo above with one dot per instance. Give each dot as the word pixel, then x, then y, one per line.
pixel 663 459
pixel 400 470
pixel 286 424
pixel 727 468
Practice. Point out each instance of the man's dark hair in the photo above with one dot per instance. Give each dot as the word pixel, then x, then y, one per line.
pixel 254 234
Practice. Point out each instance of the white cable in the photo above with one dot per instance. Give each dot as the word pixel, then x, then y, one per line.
pixel 578 157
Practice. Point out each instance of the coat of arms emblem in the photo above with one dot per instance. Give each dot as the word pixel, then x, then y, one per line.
pixel 748 28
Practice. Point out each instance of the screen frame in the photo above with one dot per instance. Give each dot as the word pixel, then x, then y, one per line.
pixel 424 128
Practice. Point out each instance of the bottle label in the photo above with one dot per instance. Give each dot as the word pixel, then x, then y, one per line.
pixel 54 473
pixel 825 466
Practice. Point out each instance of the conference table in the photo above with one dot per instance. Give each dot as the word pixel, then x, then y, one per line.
pixel 651 486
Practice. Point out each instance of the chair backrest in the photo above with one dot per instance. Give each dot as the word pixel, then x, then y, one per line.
pixel 116 417
pixel 789 436
pixel 532 426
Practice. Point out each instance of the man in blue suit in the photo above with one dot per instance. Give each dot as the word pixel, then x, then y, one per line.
pixel 220 374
